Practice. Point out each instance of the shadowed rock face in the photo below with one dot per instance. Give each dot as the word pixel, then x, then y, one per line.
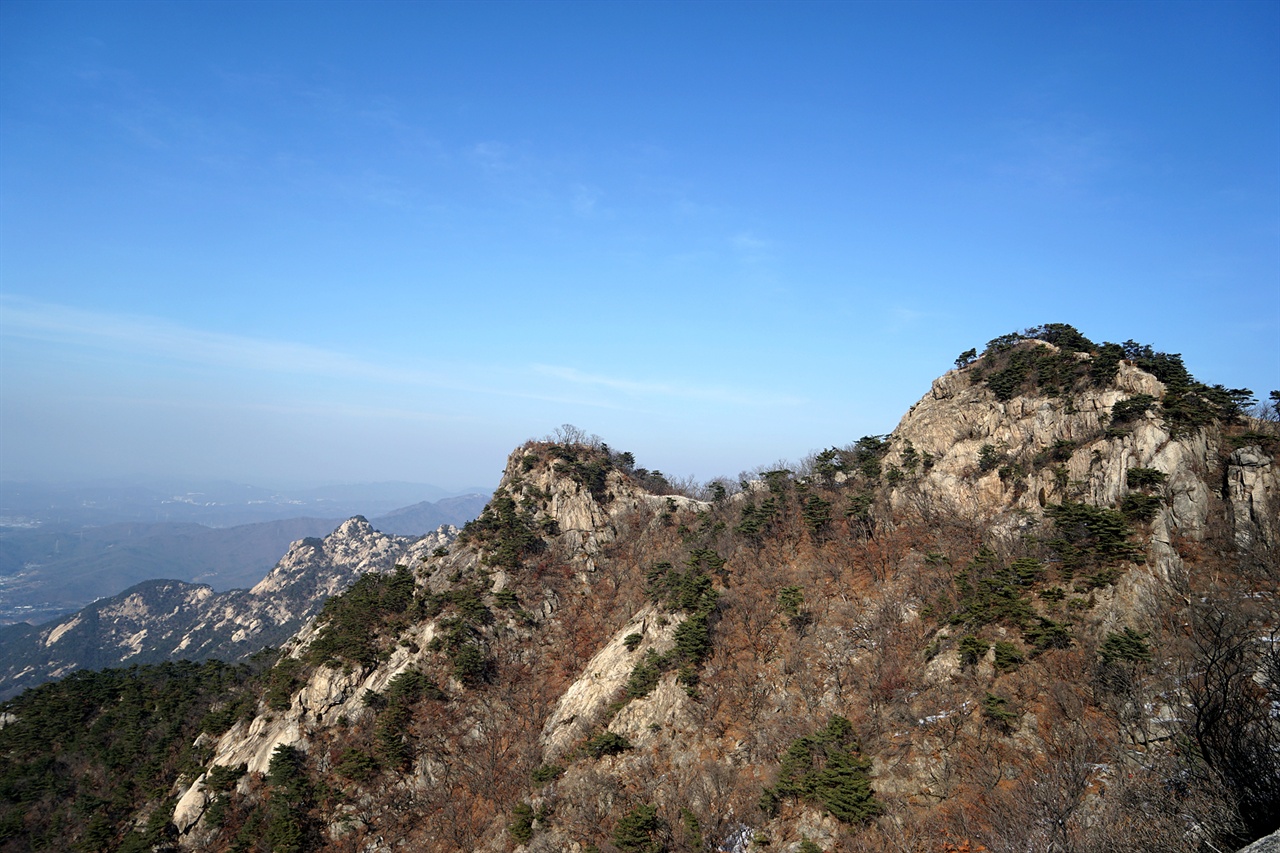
pixel 172 620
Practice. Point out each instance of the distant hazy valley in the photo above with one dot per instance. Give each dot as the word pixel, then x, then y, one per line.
pixel 29 505
pixel 62 547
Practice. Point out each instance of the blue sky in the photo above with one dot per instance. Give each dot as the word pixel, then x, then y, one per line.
pixel 307 242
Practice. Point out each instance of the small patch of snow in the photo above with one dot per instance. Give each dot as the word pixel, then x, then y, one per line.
pixel 738 840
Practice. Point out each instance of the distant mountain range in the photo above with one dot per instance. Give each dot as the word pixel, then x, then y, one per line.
pixel 426 516
pixel 46 574
pixel 27 505
pixel 50 570
pixel 166 620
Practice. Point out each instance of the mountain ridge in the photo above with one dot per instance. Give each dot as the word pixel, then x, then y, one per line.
pixel 1005 625
pixel 157 620
pixel 48 573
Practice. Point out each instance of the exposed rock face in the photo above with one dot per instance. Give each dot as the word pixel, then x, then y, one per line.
pixel 324 567
pixel 320 566
pixel 584 523
pixel 583 704
pixel 1252 496
pixel 328 695
pixel 1270 844
pixel 1061 450
pixel 957 418
pixel 172 620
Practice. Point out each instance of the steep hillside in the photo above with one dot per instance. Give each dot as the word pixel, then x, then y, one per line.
pixel 161 620
pixel 1038 615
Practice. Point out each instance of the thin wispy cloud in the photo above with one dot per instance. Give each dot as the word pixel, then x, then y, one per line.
pixel 680 269
pixel 150 336
pixel 159 123
pixel 372 187
pixel 312 408
pixel 665 389
pixel 585 200
pixel 1059 153
pixel 685 208
pixel 751 248
pixel 903 316
pixel 166 341
pixel 142 116
pixel 492 156
pixel 748 242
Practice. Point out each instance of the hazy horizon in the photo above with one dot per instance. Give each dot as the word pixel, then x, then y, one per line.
pixel 345 243
pixel 301 488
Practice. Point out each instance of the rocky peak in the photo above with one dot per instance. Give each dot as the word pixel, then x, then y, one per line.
pixel 354 547
pixel 577 492
pixel 566 498
pixel 1253 497
pixel 1003 457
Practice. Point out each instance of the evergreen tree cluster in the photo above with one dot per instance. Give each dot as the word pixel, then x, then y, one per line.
pixel 507 533
pixel 352 623
pixel 693 593
pixel 826 768
pixel 84 757
pixel 1009 367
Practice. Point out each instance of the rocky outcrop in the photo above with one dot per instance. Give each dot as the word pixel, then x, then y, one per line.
pixel 584 523
pixel 172 620
pixel 328 694
pixel 583 704
pixel 1253 496
pixel 1001 462
pixel 1270 844
pixel 958 418
pixel 577 523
